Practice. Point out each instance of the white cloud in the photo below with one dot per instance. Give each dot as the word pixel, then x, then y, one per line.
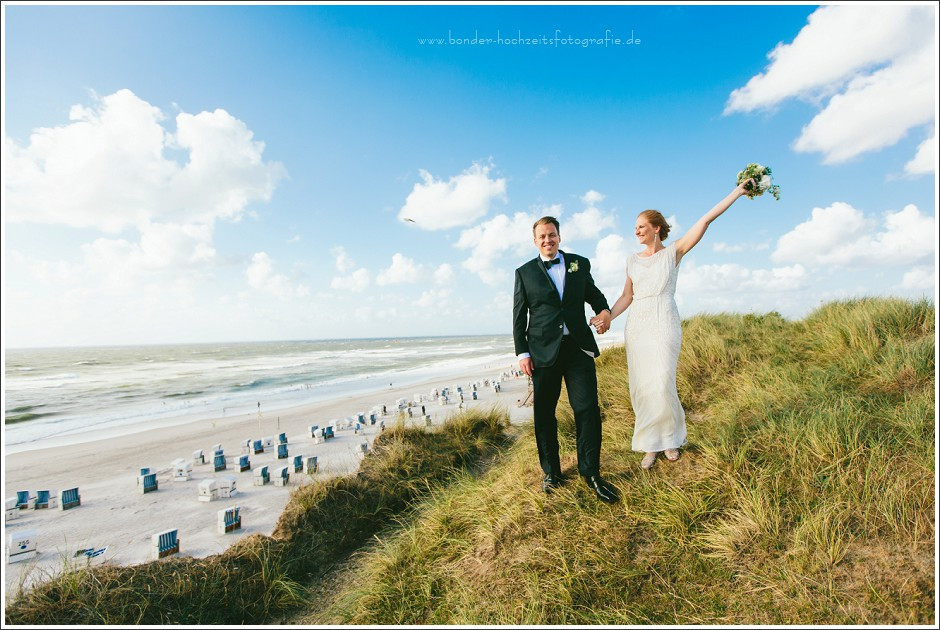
pixel 592 197
pixel 492 239
pixel 925 160
pixel 294 239
pixel 842 236
pixel 609 264
pixel 587 224
pixel 402 270
pixel 919 279
pixel 728 249
pixel 436 204
pixel 877 63
pixel 444 274
pixel 733 278
pixel 108 169
pixel 344 263
pixel 357 281
pixel 434 298
pixel 869 115
pixel 261 277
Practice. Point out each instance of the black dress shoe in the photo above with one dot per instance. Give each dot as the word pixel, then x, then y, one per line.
pixel 603 490
pixel 551 482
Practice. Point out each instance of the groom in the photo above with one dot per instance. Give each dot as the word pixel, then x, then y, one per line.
pixel 554 342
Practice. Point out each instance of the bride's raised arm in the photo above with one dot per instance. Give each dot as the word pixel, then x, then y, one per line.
pixel 691 238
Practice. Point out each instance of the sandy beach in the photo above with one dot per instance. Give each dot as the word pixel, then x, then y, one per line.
pixel 113 513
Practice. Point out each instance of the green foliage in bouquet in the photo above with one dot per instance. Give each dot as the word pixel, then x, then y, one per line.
pixel 762 183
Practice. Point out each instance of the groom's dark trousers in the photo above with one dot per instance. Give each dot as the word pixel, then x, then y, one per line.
pixel 539 318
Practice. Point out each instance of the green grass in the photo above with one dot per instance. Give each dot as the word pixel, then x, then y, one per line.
pixel 805 496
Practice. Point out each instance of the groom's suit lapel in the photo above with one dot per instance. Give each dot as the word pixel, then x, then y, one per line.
pixel 548 278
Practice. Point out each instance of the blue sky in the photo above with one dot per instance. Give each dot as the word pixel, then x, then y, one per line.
pixel 230 173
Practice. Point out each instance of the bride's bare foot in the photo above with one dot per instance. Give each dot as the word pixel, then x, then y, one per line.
pixel 672 454
pixel 648 460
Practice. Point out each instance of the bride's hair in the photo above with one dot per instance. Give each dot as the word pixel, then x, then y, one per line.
pixel 656 218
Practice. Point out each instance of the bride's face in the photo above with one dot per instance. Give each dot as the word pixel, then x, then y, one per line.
pixel 645 233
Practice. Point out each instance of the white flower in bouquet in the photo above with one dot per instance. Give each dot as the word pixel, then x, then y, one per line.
pixel 762 178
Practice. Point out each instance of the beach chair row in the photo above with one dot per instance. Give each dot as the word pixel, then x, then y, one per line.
pixel 147 481
pixel 41 500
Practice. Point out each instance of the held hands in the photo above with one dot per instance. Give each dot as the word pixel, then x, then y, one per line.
pixel 746 188
pixel 601 322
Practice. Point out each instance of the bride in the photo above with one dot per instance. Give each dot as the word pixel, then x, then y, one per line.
pixel 653 334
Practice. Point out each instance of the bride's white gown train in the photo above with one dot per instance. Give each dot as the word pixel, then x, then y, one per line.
pixel 653 337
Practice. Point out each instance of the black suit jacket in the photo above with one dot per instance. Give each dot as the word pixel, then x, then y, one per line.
pixel 538 314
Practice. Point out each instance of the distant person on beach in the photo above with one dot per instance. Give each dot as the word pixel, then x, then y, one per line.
pixel 553 343
pixel 653 334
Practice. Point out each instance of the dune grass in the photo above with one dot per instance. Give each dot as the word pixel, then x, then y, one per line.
pixel 804 496
pixel 260 576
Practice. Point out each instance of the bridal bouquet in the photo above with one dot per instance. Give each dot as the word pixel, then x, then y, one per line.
pixel 761 176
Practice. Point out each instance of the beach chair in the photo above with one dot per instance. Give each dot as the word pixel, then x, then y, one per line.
pixel 281 476
pixel 218 462
pixel 24 501
pixel 357 428
pixel 147 483
pixel 382 425
pixel 298 463
pixel 364 447
pixel 282 451
pixel 258 446
pixel 474 394
pixel 443 400
pixel 182 470
pixel 361 417
pixel 371 418
pixel 21 546
pixel 261 476
pixel 313 430
pixel 215 448
pixel 427 421
pixel 10 511
pixel 282 438
pixel 165 544
pixel 244 463
pixel 69 499
pixel 310 465
pixel 268 442
pixel 46 499
pixel 208 490
pixel 410 413
pixel 329 433
pixel 226 487
pixel 199 458
pixel 229 520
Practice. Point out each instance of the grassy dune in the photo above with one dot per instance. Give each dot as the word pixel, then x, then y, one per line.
pixel 805 496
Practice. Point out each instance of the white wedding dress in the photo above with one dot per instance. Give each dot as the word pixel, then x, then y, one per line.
pixel 653 337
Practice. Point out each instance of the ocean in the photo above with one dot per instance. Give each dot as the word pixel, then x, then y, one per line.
pixel 61 395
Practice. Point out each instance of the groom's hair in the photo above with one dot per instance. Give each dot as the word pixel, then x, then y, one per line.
pixel 546 221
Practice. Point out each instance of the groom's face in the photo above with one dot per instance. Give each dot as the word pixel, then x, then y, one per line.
pixel 547 239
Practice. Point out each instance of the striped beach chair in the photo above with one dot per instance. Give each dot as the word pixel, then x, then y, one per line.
pixel 23 500
pixel 229 520
pixel 45 500
pixel 261 476
pixel 310 465
pixel 165 544
pixel 70 498
pixel 148 483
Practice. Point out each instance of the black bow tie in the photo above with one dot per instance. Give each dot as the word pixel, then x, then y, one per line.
pixel 548 263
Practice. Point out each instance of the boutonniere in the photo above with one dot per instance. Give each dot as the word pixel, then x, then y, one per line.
pixel 573 267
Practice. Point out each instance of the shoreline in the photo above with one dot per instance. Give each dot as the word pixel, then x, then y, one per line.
pixel 114 515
